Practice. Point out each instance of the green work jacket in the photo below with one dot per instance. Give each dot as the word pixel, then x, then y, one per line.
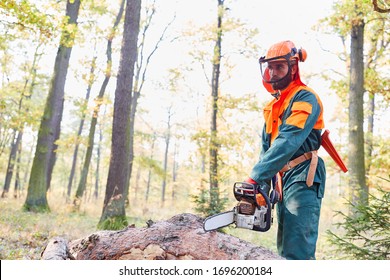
pixel 293 125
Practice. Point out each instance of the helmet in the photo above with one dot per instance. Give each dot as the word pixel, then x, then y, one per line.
pixel 283 49
pixel 280 54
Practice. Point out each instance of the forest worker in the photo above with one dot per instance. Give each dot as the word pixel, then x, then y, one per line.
pixel 291 137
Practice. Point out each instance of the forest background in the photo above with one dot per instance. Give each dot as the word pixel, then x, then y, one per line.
pixel 173 82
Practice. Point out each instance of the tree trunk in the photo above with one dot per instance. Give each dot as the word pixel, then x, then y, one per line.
pixel 134 103
pixel 214 190
pixel 91 136
pixel 174 174
pixel 43 162
pixel 137 186
pixel 139 79
pixel 371 64
pixel 148 183
pixel 74 159
pixel 17 184
pixel 15 146
pixel 357 182
pixel 98 158
pixel 84 172
pixel 167 138
pixel 113 214
pixel 179 238
pixel 28 164
pixel 11 162
pixel 80 130
pixel 370 129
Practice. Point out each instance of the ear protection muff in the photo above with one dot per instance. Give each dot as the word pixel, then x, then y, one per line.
pixel 302 55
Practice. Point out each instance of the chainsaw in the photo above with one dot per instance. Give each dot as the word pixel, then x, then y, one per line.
pixel 253 211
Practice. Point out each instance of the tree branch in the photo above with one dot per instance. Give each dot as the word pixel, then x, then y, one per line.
pixel 379 9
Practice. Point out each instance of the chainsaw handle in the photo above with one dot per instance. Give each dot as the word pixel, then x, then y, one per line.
pixel 244 190
pixel 268 214
pixel 249 191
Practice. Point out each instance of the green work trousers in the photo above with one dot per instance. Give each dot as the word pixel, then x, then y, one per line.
pixel 298 218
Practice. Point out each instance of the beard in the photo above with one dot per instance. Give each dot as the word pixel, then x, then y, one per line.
pixel 282 84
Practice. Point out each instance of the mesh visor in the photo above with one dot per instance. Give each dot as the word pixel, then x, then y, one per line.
pixel 275 69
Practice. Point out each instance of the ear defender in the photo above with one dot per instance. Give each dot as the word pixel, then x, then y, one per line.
pixel 302 54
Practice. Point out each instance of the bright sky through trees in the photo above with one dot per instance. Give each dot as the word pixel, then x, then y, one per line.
pixel 275 20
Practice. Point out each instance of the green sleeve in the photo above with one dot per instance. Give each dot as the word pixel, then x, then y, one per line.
pixel 291 142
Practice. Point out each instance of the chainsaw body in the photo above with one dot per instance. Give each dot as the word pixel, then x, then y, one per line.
pixel 253 211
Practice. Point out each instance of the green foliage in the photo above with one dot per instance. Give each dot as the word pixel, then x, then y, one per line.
pixel 69 32
pixel 26 15
pixel 346 13
pixel 204 203
pixel 113 223
pixel 366 233
pixel 380 160
pixel 151 164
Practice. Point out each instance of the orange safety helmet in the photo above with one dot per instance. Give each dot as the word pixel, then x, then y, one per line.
pixel 284 52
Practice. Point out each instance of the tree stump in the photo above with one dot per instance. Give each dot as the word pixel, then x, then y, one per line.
pixel 180 238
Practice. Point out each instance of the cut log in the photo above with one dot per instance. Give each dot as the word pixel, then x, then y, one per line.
pixel 180 238
pixel 56 249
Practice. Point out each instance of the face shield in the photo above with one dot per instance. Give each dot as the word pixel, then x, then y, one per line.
pixel 276 69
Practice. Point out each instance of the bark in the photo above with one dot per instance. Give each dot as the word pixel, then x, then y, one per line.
pixel 180 238
pixel 357 182
pixel 214 191
pixel 58 85
pixel 113 214
pixel 49 130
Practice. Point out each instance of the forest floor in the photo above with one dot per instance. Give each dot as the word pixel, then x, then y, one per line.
pixel 24 235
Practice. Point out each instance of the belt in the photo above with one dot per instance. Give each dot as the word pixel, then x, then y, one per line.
pixel 312 169
pixel 292 163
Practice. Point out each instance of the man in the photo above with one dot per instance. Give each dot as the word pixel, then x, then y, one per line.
pixel 290 139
